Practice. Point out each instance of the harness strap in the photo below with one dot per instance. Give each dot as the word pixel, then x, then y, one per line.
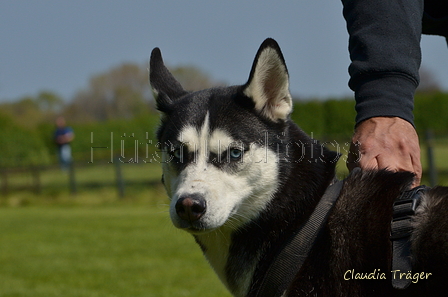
pixel 291 258
pixel 401 230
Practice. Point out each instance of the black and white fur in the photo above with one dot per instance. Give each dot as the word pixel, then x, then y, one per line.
pixel 242 177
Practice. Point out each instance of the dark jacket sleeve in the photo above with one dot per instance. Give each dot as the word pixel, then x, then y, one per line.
pixel 384 46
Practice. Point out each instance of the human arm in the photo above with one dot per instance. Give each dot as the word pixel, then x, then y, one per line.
pixel 384 47
pixel 65 136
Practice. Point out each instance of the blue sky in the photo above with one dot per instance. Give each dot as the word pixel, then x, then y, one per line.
pixel 58 45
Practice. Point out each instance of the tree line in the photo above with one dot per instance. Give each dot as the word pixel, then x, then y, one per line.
pixel 114 118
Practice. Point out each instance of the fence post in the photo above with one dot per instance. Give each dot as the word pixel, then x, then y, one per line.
pixel 430 154
pixel 35 172
pixel 4 182
pixel 119 178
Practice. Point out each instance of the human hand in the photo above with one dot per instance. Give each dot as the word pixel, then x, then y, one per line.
pixel 65 138
pixel 386 142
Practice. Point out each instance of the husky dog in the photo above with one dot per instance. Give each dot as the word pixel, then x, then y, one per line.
pixel 242 178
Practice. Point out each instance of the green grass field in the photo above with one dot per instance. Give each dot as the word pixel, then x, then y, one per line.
pixel 108 250
pixel 96 244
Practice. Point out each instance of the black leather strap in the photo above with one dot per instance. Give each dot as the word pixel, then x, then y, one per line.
pixel 401 230
pixel 289 261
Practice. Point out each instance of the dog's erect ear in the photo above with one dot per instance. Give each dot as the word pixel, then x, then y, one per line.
pixel 268 84
pixel 166 87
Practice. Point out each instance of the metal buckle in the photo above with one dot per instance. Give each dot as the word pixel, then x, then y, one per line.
pixel 403 210
pixel 405 207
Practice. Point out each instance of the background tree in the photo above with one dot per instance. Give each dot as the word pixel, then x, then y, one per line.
pixel 122 92
pixel 193 78
pixel 49 102
pixel 32 111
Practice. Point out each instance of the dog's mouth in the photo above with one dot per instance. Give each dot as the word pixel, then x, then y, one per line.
pixel 202 225
pixel 196 229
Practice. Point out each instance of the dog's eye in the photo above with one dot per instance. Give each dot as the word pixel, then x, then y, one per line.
pixel 235 153
pixel 177 154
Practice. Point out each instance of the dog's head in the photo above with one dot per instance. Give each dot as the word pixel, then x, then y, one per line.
pixel 220 163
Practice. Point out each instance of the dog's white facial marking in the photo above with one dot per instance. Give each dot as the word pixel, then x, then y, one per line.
pixel 233 197
pixel 220 141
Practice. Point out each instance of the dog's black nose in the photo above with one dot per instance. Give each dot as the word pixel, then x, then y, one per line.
pixel 190 207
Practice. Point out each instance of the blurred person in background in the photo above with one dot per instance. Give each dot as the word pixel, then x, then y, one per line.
pixel 63 136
